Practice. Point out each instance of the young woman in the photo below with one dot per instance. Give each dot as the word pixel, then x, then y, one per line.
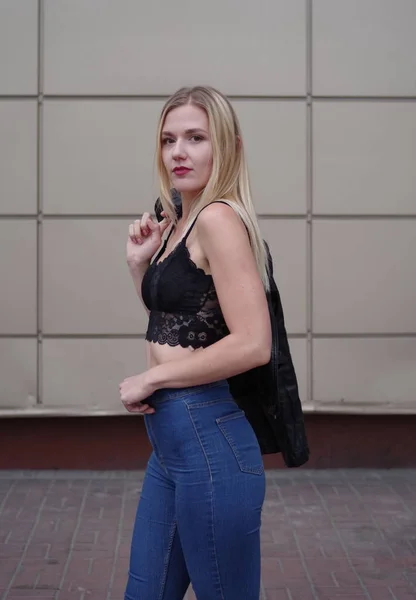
pixel 199 513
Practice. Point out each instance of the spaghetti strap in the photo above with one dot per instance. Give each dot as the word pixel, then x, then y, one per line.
pixel 163 248
pixel 185 237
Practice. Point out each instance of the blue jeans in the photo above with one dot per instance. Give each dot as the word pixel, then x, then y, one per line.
pixel 199 513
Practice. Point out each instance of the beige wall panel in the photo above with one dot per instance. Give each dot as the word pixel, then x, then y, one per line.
pixel 275 139
pixel 364 48
pixel 364 157
pixel 17 373
pixel 287 242
pixel 86 284
pixel 18 46
pixel 84 374
pixel 363 276
pixel 18 277
pixel 18 157
pixel 99 156
pixel 298 350
pixel 365 375
pixel 130 47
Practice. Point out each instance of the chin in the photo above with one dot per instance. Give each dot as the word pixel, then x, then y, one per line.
pixel 183 188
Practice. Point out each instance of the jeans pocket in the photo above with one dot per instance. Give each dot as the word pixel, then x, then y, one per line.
pixel 242 440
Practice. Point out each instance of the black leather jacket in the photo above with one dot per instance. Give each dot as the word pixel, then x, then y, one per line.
pixel 269 394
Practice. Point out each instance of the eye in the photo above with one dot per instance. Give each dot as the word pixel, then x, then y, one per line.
pixel 167 140
pixel 197 138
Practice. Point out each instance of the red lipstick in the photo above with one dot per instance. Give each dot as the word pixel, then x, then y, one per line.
pixel 181 171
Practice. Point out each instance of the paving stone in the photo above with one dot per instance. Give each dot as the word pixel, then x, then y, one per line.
pixel 326 535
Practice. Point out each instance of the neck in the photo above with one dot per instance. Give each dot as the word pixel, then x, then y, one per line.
pixel 188 200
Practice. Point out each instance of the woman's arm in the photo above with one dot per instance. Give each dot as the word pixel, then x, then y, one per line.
pixel 143 240
pixel 242 298
pixel 137 272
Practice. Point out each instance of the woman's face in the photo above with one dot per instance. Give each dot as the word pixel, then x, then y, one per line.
pixel 187 150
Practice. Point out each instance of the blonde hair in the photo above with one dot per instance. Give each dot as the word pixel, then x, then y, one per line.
pixel 229 179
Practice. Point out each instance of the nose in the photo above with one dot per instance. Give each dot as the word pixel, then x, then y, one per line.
pixel 178 151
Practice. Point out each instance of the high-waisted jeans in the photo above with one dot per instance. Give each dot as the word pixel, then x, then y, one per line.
pixel 199 513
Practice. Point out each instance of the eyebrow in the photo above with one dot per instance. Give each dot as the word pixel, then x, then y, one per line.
pixel 187 132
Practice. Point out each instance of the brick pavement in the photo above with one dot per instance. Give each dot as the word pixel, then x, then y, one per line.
pixel 326 535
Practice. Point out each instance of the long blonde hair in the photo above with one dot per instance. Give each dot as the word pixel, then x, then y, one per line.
pixel 229 179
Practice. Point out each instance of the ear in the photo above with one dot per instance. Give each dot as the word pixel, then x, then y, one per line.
pixel 238 142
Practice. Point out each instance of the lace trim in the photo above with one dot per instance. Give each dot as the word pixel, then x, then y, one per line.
pixel 197 331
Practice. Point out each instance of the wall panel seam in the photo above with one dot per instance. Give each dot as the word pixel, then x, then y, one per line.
pixel 280 216
pixel 309 205
pixel 281 98
pixel 39 200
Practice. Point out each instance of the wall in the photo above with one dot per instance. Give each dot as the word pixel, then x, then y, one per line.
pixel 326 92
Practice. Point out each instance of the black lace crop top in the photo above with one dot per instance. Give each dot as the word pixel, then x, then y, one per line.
pixel 181 297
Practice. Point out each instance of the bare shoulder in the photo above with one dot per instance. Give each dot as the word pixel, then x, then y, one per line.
pixel 218 218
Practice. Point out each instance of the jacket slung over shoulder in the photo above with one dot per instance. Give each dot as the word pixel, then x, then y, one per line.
pixel 269 395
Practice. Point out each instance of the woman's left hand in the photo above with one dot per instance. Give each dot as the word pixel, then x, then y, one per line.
pixel 133 391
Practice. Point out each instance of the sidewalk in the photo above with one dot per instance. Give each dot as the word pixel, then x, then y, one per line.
pixel 326 535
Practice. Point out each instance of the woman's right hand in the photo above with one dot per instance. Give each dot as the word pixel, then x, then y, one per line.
pixel 145 237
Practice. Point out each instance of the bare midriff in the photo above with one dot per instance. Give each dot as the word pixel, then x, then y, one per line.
pixel 159 354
